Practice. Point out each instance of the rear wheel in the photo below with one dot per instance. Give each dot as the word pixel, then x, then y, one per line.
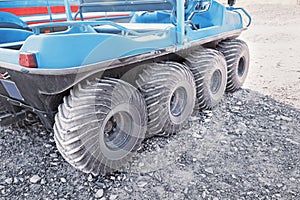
pixel 169 92
pixel 236 53
pixel 209 69
pixel 100 125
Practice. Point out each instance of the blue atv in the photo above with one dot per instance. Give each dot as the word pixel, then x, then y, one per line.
pixel 103 86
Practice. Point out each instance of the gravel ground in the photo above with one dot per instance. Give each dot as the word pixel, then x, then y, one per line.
pixel 247 148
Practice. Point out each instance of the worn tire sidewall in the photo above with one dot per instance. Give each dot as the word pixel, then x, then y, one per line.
pixel 239 80
pixel 215 97
pixel 190 102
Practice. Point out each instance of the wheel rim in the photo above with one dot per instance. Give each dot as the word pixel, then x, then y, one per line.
pixel 178 101
pixel 116 130
pixel 216 81
pixel 241 66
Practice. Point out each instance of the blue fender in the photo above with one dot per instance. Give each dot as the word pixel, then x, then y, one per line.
pixel 8 20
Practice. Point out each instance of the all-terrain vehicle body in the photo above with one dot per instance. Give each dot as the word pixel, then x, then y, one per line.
pixel 102 86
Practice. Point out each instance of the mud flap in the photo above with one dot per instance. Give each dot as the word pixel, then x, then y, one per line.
pixel 12 89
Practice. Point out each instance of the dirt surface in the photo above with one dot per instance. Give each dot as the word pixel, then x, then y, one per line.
pixel 247 148
pixel 274 42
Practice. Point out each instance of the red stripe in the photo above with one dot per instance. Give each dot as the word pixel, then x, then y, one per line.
pixel 63 20
pixel 37 10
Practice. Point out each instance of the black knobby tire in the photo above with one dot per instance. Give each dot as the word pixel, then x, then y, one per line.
pixel 209 69
pixel 100 125
pixel 169 92
pixel 236 53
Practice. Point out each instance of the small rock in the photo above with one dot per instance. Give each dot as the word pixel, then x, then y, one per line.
pixel 196 135
pixel 129 190
pixel 239 103
pixel 113 197
pixel 277 118
pixel 63 180
pixel 278 195
pixel 119 178
pixel 223 142
pixel 194 159
pixel 100 184
pixel 34 179
pixel 186 190
pixel 142 183
pixel 203 175
pixel 292 179
pixel 208 113
pixel 284 118
pixel 209 170
pixel 48 145
pixel 54 163
pixel 292 141
pixel 35 187
pixel 43 181
pixel 99 193
pixel 233 176
pixel 90 178
pixel 16 180
pixel 9 180
pixel 235 149
pixel 141 164
pixel 194 118
pixel 207 120
pixel 234 108
pixel 53 155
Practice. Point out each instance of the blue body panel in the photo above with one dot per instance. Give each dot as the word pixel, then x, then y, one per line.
pixel 13 35
pixel 11 19
pixel 89 43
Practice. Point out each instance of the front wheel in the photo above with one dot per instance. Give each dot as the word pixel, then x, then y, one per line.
pixel 100 125
pixel 236 53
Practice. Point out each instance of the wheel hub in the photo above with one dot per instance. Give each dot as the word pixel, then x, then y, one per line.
pixel 178 101
pixel 116 129
pixel 241 67
pixel 216 81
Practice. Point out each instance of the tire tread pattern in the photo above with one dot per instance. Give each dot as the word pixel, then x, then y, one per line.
pixel 156 83
pixel 232 49
pixel 199 62
pixel 76 128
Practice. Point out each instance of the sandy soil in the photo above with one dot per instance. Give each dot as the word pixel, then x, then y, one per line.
pixel 274 42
